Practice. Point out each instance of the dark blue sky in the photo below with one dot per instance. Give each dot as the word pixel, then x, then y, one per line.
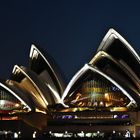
pixel 68 30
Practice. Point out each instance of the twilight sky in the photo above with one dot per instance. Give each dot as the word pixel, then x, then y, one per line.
pixel 68 30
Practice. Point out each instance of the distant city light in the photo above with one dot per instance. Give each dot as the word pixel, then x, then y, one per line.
pixel 15 135
pixel 34 134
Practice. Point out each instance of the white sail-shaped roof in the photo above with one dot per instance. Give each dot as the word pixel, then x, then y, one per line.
pixel 46 73
pixel 40 65
pixel 30 85
pixel 116 46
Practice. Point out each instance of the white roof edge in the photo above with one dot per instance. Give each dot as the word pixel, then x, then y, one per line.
pixel 118 36
pixel 74 79
pixel 14 68
pixel 31 50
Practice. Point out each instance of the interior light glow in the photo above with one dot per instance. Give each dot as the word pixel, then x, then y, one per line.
pixel 114 132
pixel 17 105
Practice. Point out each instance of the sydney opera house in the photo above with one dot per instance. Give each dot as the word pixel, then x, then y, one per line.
pixel 101 100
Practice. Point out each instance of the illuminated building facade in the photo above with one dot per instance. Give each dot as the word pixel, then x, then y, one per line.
pixel 101 100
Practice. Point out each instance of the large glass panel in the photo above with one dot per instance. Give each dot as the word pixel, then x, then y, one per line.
pixel 97 93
